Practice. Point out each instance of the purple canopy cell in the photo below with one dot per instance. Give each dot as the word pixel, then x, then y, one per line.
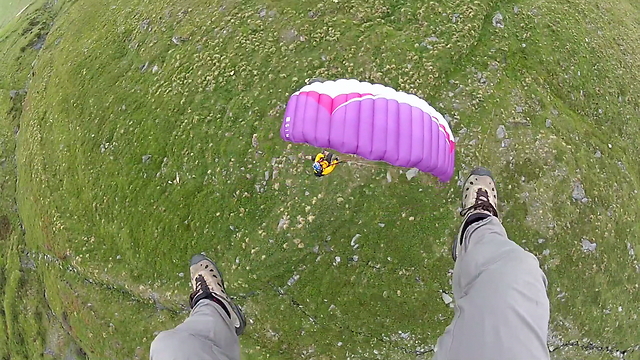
pixel 372 121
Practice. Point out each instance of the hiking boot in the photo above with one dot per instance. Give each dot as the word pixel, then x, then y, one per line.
pixel 207 283
pixel 479 201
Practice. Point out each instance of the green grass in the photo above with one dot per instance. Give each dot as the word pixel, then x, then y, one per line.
pixel 109 233
pixel 11 9
pixel 21 337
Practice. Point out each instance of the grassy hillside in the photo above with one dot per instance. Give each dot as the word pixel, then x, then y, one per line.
pixel 136 150
pixel 9 9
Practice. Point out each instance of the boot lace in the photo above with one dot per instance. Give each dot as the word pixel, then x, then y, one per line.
pixel 482 203
pixel 201 285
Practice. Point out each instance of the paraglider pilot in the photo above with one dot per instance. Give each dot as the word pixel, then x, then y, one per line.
pixel 325 163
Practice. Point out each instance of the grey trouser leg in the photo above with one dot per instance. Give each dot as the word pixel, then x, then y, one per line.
pixel 501 305
pixel 207 334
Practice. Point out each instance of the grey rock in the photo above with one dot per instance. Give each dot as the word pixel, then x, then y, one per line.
pixel 411 173
pixel 40 42
pixel 516 9
pixel 548 123
pixel 283 223
pixel 146 158
pixel 290 35
pixel 506 143
pixel 432 39
pixel 598 154
pixel 27 262
pixel 545 252
pixel 315 80
pixel 145 24
pixel 178 40
pixel 254 140
pixel 163 167
pixel 262 13
pixel 554 112
pixel 578 193
pixel 622 167
pixel 461 178
pixel 588 246
pixel 293 279
pixel 155 69
pixel 498 20
pixel 156 300
pixel 519 109
pixel 354 240
pixel 389 179
pixel 446 298
pixel 13 93
pixel 632 252
pixel 501 133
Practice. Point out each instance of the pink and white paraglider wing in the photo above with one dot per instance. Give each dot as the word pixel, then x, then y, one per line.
pixel 372 121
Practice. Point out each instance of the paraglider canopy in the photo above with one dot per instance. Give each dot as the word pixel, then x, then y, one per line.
pixel 373 121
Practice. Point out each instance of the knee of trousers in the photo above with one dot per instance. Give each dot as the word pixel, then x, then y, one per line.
pixel 167 345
